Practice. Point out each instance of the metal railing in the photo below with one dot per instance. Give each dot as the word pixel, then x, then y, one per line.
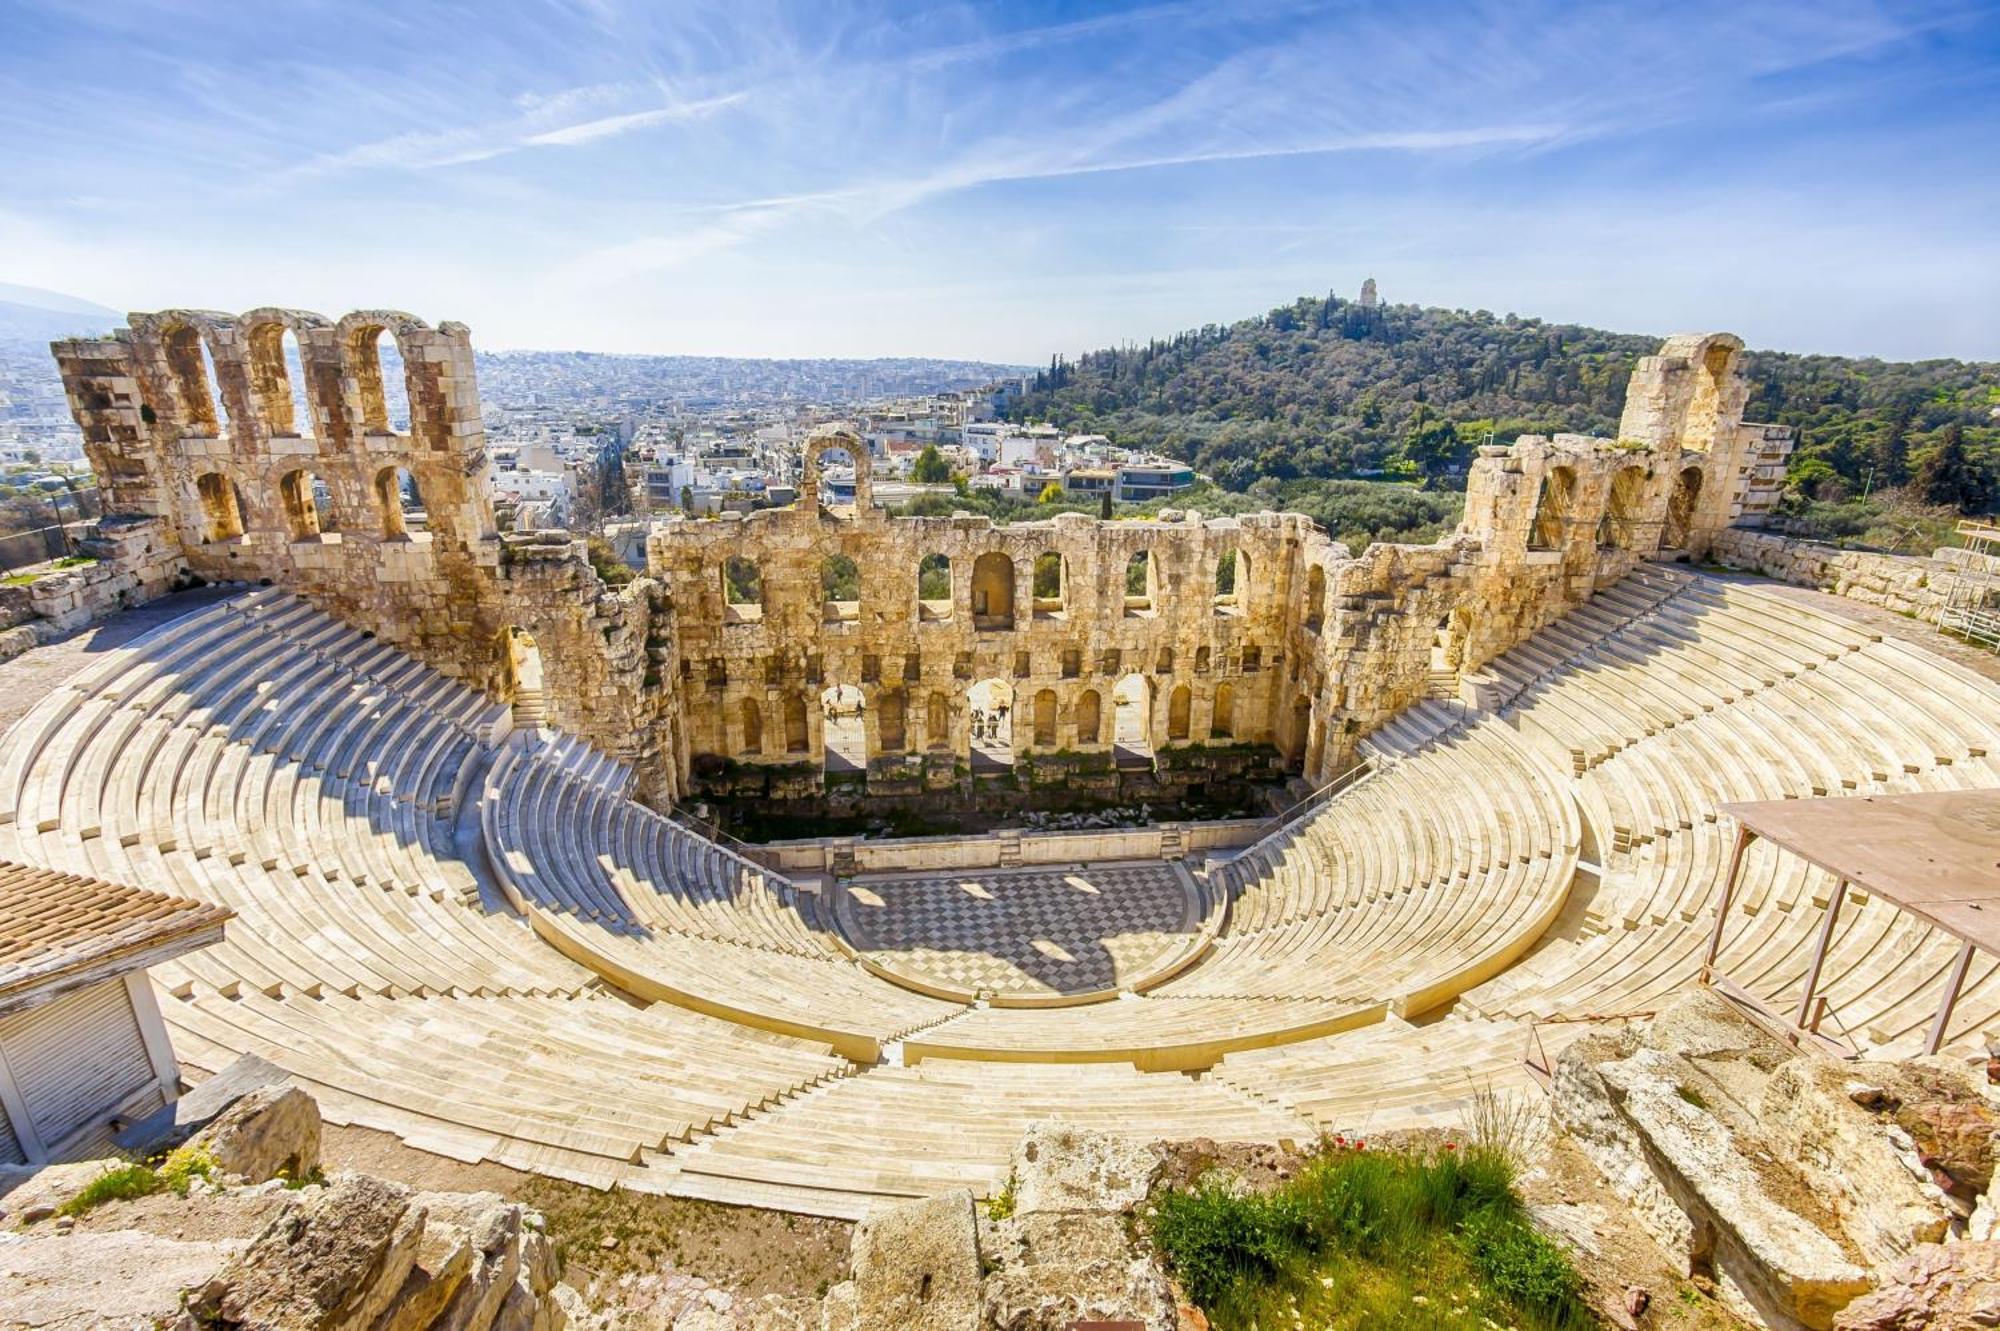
pixel 1979 626
pixel 710 831
pixel 1340 785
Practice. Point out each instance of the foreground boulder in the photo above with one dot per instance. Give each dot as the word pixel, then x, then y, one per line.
pixel 271 1132
pixel 917 1266
pixel 335 1261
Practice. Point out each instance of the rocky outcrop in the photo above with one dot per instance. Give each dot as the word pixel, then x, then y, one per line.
pixel 355 1254
pixel 272 1132
pixel 1938 1286
pixel 334 1260
pixel 1797 1183
pixel 917 1266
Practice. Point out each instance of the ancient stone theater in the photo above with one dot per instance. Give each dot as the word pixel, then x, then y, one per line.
pixel 443 777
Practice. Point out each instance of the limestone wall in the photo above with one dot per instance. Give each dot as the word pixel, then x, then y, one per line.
pixel 1914 585
pixel 207 437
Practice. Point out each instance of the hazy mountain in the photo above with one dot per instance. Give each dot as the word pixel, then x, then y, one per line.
pixel 32 314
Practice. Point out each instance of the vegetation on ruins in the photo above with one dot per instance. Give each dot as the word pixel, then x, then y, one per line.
pixel 1359 512
pixel 1417 1236
pixel 1324 387
pixel 175 1173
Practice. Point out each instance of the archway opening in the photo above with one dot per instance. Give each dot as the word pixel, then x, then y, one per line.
pixel 1619 529
pixel 750 714
pixel 1050 586
pixel 1552 512
pixel 1045 719
pixel 1302 725
pixel 1180 706
pixel 298 493
pixel 401 504
pixel 1232 581
pixel 1680 509
pixel 798 734
pixel 1132 722
pixel 1089 717
pixel 993 591
pixel 844 733
pixel 395 381
pixel 840 589
pixel 991 702
pixel 1141 583
pixel 1222 717
pixel 194 381
pixel 937 723
pixel 1315 598
pixel 522 664
pixel 934 588
pixel 742 589
pixel 221 507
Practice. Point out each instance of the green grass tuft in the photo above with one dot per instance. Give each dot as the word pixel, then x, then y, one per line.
pixel 1359 1238
pixel 119 1183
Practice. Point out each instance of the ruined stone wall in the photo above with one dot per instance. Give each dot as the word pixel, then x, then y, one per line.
pixel 206 451
pixel 1915 585
pixel 201 439
pixel 752 673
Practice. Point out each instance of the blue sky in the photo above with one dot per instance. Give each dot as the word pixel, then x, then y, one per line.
pixel 1009 180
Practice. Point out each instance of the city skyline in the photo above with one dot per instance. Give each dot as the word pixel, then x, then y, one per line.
pixel 1004 182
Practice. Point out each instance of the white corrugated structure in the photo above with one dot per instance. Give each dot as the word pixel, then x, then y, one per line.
pixel 82 1049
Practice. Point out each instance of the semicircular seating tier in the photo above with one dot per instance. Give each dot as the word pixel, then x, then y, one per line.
pixel 473 939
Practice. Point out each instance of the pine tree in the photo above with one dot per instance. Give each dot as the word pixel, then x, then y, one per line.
pixel 1946 475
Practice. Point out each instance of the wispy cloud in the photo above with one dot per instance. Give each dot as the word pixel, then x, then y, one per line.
pixel 417 151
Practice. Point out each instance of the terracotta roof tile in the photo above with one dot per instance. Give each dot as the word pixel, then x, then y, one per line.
pixel 54 923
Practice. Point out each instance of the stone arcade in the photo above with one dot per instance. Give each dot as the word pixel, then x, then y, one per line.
pixel 1228 643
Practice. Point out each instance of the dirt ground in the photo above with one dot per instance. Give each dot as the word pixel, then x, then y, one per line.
pixel 604 1236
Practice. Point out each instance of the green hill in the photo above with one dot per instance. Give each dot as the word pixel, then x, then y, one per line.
pixel 1324 387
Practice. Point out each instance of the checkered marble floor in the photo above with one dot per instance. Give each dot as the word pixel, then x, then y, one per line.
pixel 1033 932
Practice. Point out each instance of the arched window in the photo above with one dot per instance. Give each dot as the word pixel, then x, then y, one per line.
pixel 402 504
pixel 937 722
pixel 221 507
pixel 1315 598
pixel 934 587
pixel 742 588
pixel 1132 720
pixel 1089 709
pixel 1232 580
pixel 840 588
pixel 193 372
pixel 1621 513
pixel 993 591
pixel 376 363
pixel 1045 719
pixel 1553 510
pixel 277 381
pixel 1222 720
pixel 753 726
pixel 1140 580
pixel 1302 724
pixel 1680 509
pixel 797 738
pixel 889 723
pixel 1179 703
pixel 1164 665
pixel 295 492
pixel 1050 586
pixel 1202 658
pixel 990 719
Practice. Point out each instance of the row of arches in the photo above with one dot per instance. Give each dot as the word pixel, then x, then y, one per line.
pixel 306 505
pixel 992 589
pixel 278 385
pixel 1620 525
pixel 1123 720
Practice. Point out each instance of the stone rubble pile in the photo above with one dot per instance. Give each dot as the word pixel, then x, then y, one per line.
pixel 1813 1193
pixel 248 1250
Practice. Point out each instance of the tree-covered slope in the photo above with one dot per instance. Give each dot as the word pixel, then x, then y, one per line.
pixel 1324 387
